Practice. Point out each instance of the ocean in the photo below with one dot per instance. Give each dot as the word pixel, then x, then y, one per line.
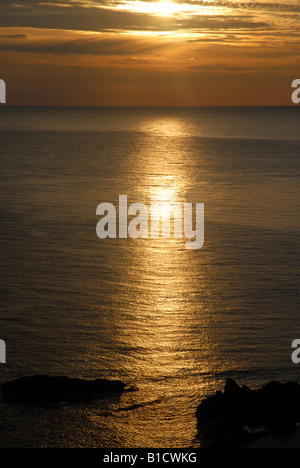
pixel 172 323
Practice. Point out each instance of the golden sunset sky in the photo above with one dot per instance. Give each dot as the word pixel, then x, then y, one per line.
pixel 165 53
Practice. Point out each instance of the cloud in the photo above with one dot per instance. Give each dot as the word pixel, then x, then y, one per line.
pixel 13 36
pixel 76 44
pixel 219 22
pixel 89 52
pixel 79 17
pixel 76 17
pixel 87 27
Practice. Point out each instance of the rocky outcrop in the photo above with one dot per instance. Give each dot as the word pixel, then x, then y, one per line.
pixel 224 417
pixel 43 389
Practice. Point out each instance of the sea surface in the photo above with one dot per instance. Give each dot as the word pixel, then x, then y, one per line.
pixel 173 323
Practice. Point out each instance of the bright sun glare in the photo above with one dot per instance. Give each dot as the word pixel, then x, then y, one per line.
pixel 160 8
pixel 166 8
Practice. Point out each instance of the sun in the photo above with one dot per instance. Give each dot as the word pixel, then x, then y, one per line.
pixel 158 8
pixel 167 8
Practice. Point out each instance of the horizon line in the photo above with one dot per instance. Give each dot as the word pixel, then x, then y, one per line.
pixel 148 106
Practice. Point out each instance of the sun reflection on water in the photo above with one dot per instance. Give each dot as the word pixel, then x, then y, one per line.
pixel 160 318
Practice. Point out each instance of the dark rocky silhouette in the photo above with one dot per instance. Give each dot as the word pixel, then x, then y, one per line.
pixel 43 389
pixel 274 408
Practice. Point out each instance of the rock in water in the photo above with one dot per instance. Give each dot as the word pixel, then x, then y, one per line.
pixel 222 417
pixel 43 389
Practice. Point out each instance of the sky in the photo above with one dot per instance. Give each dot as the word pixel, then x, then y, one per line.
pixel 149 53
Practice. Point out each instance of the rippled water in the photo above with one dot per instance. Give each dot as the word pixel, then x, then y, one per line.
pixel 172 322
